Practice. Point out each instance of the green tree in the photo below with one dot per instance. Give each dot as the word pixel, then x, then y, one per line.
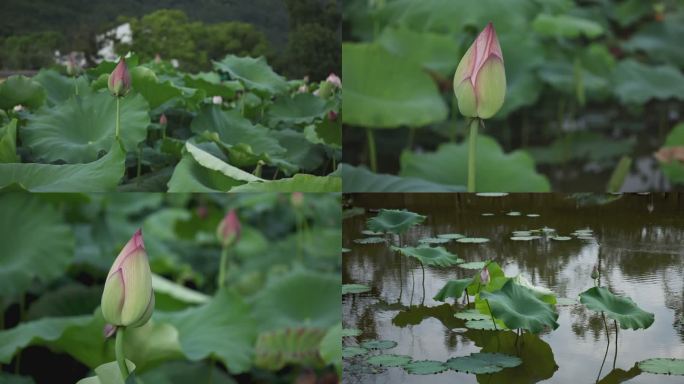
pixel 31 51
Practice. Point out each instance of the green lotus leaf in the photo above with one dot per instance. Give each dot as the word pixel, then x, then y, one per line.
pixel 360 179
pixel 349 332
pixel 66 300
pixel 8 143
pixel 99 176
pixel 60 88
pixel 109 373
pixel 8 378
pixel 472 240
pixel 280 305
pixel 453 289
pixel 353 351
pixel 394 221
pixel 673 170
pixel 525 238
pixel 300 154
pixel 659 39
pixel 636 83
pixel 497 279
pixel 245 142
pixel 298 346
pixel 450 236
pixel 485 324
pixel 38 331
pixel 542 293
pixel 379 344
pixel 174 291
pixel 424 367
pixel 254 73
pixel 561 238
pixel 448 166
pixel 433 240
pixel 212 85
pixel 354 288
pixel 619 308
pixel 663 366
pixel 389 360
pixel 566 26
pixel 377 95
pixel 519 308
pixel 437 52
pixel 326 131
pixel 330 348
pixel 302 108
pixel 473 265
pixel 222 328
pixel 297 183
pixel 156 92
pixel 434 256
pixel 78 130
pixel 185 372
pixel 370 240
pixel 30 228
pixel 20 90
pixel 482 362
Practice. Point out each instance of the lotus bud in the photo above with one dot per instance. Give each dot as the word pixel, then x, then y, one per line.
pixel 218 100
pixel 163 120
pixel 594 273
pixel 202 212
pixel 480 79
pixel 484 276
pixel 332 116
pixel 128 299
pixel 334 80
pixel 120 79
pixel 228 231
pixel 297 199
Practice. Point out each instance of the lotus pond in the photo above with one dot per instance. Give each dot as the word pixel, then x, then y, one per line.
pixel 406 318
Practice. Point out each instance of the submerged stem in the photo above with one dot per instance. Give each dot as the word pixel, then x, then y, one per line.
pixel 472 148
pixel 118 348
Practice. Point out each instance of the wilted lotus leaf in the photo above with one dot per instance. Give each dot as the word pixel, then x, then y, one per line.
pixel 388 360
pixel 424 367
pixel 619 308
pixel 479 363
pixel 354 288
pixel 437 256
pixel 379 344
pixel 453 289
pixel 518 307
pixel 663 366
pixel 394 221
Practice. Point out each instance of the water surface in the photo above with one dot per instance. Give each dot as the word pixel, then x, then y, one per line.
pixel 638 238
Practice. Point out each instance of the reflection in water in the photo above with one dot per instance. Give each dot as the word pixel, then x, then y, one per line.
pixel 640 242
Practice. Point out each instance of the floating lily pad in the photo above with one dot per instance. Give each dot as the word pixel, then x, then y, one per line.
pixel 473 265
pixel 472 240
pixel 437 256
pixel 368 232
pixel 663 366
pixel 471 314
pixel 434 240
pixel 533 215
pixel 513 213
pixel 453 289
pixel 379 344
pixel 479 363
pixel 487 214
pixel 519 307
pixel 370 240
pixel 389 360
pixel 525 238
pixel 492 194
pixel 350 332
pixel 450 236
pixel 561 238
pixel 346 250
pixel 424 367
pixel 354 288
pixel 484 324
pixel 522 233
pixel 394 221
pixel 619 308
pixel 353 351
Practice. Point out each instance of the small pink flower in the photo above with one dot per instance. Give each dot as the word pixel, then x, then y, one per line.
pixel 228 231
pixel 163 120
pixel 120 79
pixel 297 199
pixel 334 80
pixel 202 212
pixel 332 115
pixel 484 276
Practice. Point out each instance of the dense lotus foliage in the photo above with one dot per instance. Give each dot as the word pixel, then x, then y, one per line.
pixel 240 127
pixel 593 101
pixel 273 317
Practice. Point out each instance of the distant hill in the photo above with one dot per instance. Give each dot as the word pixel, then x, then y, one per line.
pixel 78 18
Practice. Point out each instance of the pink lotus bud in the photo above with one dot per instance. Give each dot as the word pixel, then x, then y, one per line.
pixel 163 120
pixel 202 212
pixel 297 199
pixel 120 79
pixel 334 80
pixel 480 79
pixel 128 299
pixel 218 100
pixel 484 276
pixel 228 231
pixel 594 273
pixel 332 115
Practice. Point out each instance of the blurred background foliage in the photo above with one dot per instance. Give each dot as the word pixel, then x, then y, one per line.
pixel 589 83
pixel 268 326
pixel 301 37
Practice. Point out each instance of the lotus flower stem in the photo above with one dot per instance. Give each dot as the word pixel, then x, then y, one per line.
pixel 118 117
pixel 616 342
pixel 371 150
pixel 423 268
pixel 118 348
pixel 491 314
pixel 472 150
pixel 222 267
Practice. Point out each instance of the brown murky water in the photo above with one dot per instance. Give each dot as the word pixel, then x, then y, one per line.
pixel 640 240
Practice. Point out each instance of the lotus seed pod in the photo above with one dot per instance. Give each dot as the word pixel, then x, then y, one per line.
pixel 128 298
pixel 484 276
pixel 480 79
pixel 228 231
pixel 120 79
